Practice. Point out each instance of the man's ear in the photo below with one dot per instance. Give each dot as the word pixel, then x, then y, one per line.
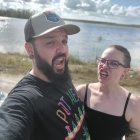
pixel 29 49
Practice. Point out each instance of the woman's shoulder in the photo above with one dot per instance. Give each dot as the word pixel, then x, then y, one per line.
pixel 133 107
pixel 135 101
pixel 83 88
pixel 94 86
pixel 81 91
pixel 133 115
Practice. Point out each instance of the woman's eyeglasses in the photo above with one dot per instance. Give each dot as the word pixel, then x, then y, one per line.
pixel 113 64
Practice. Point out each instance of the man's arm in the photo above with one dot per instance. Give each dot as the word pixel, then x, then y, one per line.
pixel 15 118
pixel 134 122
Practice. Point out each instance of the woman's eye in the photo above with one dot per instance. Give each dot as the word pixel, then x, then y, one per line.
pixel 103 61
pixel 113 63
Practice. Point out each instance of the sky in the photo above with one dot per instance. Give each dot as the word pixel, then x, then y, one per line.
pixel 127 2
pixel 121 11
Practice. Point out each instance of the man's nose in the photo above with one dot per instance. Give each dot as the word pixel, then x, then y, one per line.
pixel 61 46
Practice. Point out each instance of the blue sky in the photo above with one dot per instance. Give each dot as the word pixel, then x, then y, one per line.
pixel 127 2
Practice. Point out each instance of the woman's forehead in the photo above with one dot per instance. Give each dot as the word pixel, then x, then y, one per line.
pixel 112 53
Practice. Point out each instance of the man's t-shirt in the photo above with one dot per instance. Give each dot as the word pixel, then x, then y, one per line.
pixel 37 110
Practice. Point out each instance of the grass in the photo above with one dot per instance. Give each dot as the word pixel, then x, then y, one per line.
pixel 14 63
pixel 81 72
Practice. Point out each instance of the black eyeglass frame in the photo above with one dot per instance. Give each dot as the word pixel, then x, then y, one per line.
pixel 99 59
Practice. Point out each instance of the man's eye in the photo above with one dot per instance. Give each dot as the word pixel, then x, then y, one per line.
pixel 50 42
pixel 65 41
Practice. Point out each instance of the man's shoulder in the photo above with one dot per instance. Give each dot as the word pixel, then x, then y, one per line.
pixel 25 88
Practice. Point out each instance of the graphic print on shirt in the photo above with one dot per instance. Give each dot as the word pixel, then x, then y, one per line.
pixel 65 112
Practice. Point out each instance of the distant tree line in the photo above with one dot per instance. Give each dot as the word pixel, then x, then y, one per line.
pixel 16 13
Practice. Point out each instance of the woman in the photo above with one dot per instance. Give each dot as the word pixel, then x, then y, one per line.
pixel 111 110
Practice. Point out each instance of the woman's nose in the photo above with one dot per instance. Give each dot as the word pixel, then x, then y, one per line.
pixel 104 64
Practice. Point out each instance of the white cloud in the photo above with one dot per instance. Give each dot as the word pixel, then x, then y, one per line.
pixel 101 6
pixel 77 7
pixel 117 10
pixel 133 11
pixel 69 4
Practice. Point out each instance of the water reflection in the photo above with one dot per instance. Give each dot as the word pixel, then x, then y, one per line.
pixel 3 24
pixel 90 42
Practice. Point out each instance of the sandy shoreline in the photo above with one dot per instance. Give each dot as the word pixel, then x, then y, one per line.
pixel 7 82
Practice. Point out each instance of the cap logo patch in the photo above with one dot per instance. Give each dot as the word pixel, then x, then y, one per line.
pixel 52 17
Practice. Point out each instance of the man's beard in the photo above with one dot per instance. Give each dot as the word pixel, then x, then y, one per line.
pixel 47 70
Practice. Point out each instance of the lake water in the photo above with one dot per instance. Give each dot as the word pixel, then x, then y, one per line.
pixel 86 45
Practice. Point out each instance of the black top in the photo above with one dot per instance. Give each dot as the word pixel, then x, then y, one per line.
pixel 104 126
pixel 37 110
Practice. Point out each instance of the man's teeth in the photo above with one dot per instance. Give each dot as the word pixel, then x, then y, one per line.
pixel 59 60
